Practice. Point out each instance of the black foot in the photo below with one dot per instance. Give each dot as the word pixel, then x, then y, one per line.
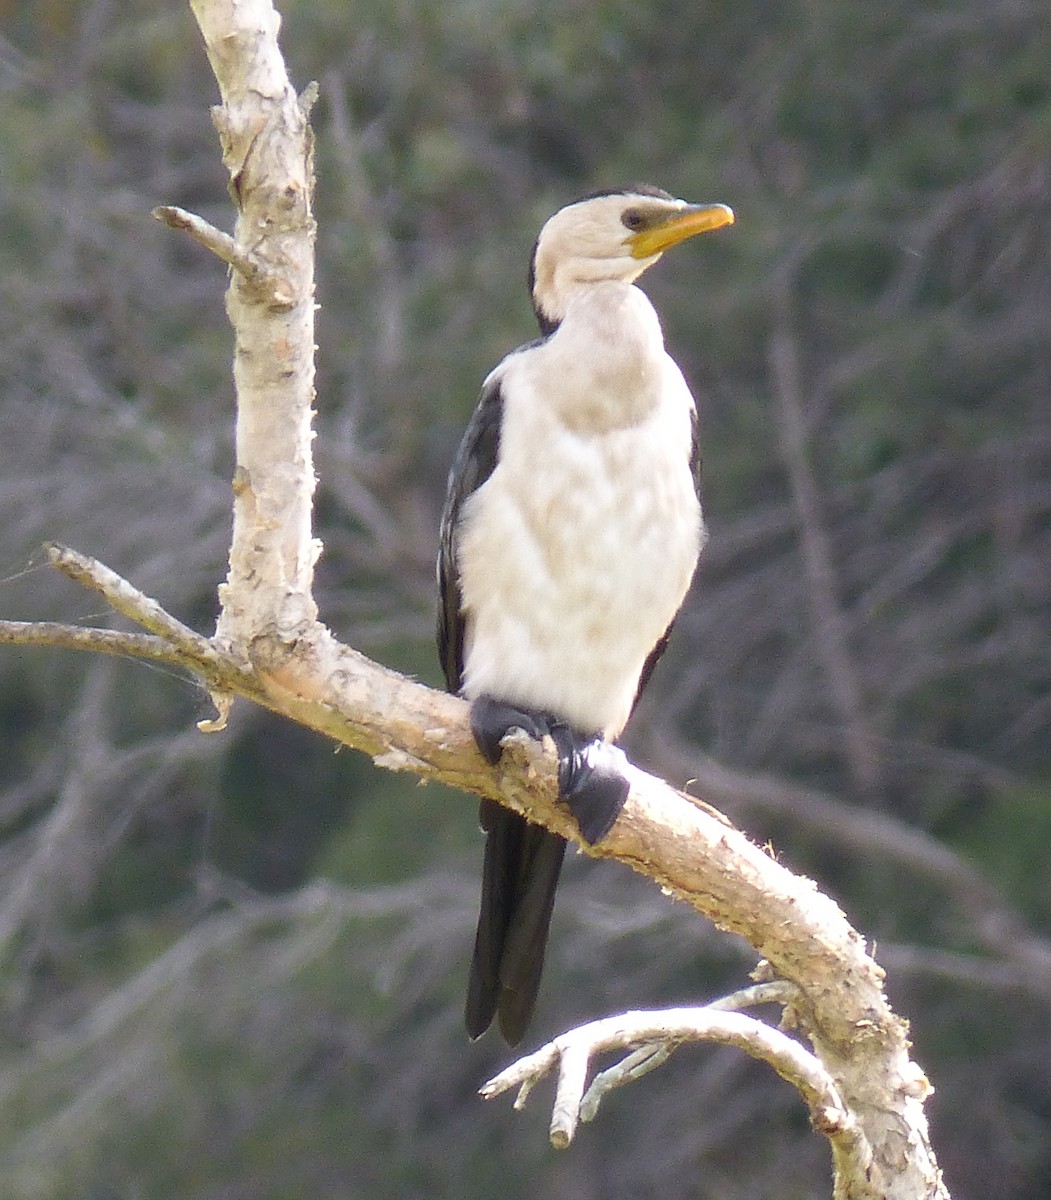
pixel 589 776
pixel 590 781
pixel 492 720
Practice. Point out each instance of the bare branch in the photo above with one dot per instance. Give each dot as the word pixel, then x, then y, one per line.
pixel 658 1033
pixel 268 150
pixel 221 244
pixel 184 645
pixel 690 850
pixel 125 597
pixel 654 1054
pixel 80 637
pixel 997 926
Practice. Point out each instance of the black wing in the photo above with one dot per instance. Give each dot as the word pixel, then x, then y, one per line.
pixel 474 463
pixel 662 643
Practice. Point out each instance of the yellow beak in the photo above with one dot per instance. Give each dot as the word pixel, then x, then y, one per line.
pixel 686 223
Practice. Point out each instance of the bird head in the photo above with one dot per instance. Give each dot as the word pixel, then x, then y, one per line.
pixel 610 236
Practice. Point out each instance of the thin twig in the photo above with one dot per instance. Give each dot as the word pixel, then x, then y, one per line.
pixel 221 244
pixel 175 642
pixel 81 637
pixel 137 606
pixel 638 1063
pixel 572 1076
pixel 778 991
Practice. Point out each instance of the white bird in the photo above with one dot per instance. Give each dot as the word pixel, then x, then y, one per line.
pixel 570 534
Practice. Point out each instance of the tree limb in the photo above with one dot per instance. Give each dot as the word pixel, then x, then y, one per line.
pixel 660 1033
pixel 1022 957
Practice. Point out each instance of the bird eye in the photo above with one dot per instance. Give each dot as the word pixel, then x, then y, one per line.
pixel 633 218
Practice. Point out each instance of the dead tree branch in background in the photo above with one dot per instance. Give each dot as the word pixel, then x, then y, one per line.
pixel 831 635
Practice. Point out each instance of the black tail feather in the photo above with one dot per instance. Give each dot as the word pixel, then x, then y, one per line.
pixel 519 878
pixel 522 864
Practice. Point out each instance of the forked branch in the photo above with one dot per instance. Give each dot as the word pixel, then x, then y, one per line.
pixel 651 1037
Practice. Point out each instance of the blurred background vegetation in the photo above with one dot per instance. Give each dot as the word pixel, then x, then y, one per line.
pixel 233 966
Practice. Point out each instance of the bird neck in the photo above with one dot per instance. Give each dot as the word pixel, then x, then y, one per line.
pixel 557 285
pixel 606 358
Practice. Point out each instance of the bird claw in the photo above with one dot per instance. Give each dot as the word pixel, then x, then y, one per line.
pixel 590 779
pixel 492 720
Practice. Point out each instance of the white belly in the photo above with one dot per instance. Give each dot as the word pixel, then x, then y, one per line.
pixel 573 560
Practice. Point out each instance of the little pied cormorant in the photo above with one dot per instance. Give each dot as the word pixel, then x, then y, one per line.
pixel 569 537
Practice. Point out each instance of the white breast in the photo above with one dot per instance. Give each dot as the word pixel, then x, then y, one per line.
pixel 577 552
